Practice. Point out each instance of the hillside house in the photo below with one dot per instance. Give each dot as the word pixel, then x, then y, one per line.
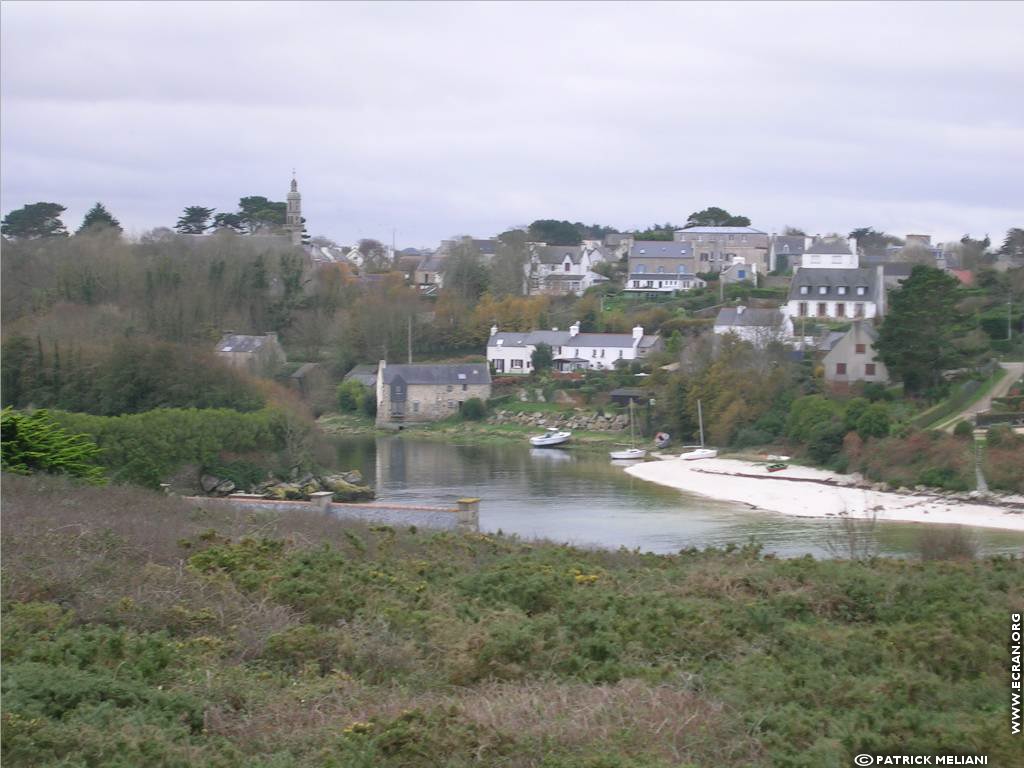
pixel 785 252
pixel 760 327
pixel 428 392
pixel 511 352
pixel 257 354
pixel 739 272
pixel 658 266
pixel 851 357
pixel 564 269
pixel 717 247
pixel 830 253
pixel 836 294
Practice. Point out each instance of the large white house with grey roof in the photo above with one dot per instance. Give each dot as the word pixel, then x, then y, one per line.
pixel 511 352
pixel 831 284
pixel 564 269
pixel 760 327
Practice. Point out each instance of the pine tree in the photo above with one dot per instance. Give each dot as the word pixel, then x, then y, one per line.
pixel 35 220
pixel 98 217
pixel 195 220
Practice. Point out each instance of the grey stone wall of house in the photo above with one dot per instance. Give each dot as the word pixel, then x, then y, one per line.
pixel 710 250
pixel 429 402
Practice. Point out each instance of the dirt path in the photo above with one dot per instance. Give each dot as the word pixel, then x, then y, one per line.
pixel 1013 373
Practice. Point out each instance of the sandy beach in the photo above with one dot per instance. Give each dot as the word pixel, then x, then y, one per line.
pixel 801 492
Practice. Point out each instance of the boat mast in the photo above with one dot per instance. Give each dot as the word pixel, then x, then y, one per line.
pixel 700 420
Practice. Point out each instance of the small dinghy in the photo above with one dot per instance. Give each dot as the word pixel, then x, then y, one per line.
pixel 549 438
pixel 699 453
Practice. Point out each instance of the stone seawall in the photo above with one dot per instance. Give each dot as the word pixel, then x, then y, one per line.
pixel 570 420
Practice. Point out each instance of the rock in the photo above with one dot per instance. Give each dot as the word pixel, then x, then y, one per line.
pixel 309 489
pixel 346 491
pixel 306 479
pixel 224 487
pixel 208 483
pixel 353 476
pixel 283 492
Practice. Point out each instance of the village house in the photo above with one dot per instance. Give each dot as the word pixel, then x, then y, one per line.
pixel 851 357
pixel 659 266
pixel 739 272
pixel 257 354
pixel 429 273
pixel 831 284
pixel 564 269
pixel 511 352
pixel 428 392
pixel 760 327
pixel 785 252
pixel 716 247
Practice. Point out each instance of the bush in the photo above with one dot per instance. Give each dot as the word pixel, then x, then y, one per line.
pixel 34 442
pixel 825 441
pixel 874 392
pixel 874 421
pixel 963 429
pixel 369 405
pixel 350 396
pixel 750 436
pixel 473 409
pixel 947 543
pixel 808 413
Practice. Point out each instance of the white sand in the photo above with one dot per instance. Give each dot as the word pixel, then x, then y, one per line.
pixel 777 492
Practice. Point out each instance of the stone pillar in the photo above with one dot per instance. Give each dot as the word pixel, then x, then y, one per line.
pixel 321 501
pixel 469 514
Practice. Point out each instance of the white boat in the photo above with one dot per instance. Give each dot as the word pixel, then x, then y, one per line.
pixel 699 453
pixel 628 453
pixel 549 438
pixel 632 452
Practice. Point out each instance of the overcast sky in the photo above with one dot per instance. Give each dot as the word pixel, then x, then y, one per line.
pixel 438 119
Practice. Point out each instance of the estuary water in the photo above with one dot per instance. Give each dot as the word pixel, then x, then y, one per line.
pixel 581 497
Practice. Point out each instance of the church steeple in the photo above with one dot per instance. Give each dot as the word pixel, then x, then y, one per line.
pixel 293 216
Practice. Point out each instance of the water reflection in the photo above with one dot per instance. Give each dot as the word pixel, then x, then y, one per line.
pixel 582 498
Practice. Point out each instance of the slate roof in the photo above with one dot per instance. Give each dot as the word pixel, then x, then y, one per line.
pixel 722 231
pixel 444 373
pixel 237 342
pixel 898 268
pixel 486 247
pixel 790 244
pixel 829 247
pixel 616 238
pixel 664 249
pixel 661 276
pixel 432 262
pixel 816 277
pixel 528 338
pixel 834 337
pixel 749 318
pixel 304 370
pixel 608 340
pixel 364 374
pixel 555 254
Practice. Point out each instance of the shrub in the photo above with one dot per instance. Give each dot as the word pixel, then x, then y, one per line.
pixel 963 429
pixel 473 409
pixel 825 441
pixel 34 442
pixel 874 421
pixel 808 413
pixel 749 436
pixel 369 405
pixel 351 394
pixel 947 543
pixel 854 410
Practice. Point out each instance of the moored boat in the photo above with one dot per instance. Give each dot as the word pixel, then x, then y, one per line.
pixel 551 437
pixel 699 453
pixel 628 453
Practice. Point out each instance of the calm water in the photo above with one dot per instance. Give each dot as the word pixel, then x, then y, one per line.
pixel 582 498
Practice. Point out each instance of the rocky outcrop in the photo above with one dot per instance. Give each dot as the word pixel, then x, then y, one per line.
pixel 343 490
pixel 581 420
pixel 345 486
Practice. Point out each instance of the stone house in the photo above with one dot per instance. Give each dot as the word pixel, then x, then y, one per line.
pixel 785 252
pixel 428 392
pixel 716 247
pixel 257 354
pixel 659 266
pixel 739 272
pixel 851 357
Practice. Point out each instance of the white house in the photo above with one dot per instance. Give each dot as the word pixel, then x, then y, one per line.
pixel 564 269
pixel 511 352
pixel 760 327
pixel 830 253
pixel 836 294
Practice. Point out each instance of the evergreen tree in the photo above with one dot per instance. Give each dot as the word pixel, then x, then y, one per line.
pixel 716 217
pixel 98 217
pixel 195 220
pixel 35 220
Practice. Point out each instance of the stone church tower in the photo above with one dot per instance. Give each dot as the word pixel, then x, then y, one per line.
pixel 293 216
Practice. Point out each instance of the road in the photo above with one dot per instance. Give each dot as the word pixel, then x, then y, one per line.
pixel 1013 373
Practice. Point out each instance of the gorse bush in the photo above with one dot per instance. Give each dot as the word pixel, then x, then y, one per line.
pixel 229 639
pixel 34 442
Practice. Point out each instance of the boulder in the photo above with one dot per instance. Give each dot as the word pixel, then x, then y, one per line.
pixel 346 491
pixel 284 492
pixel 353 476
pixel 224 487
pixel 208 483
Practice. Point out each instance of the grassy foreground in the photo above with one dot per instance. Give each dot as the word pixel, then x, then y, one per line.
pixel 140 632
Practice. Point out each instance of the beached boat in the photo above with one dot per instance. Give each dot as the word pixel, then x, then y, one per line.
pixel 551 437
pixel 632 452
pixel 699 453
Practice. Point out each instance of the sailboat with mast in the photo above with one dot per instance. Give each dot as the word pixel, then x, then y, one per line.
pixel 700 452
pixel 632 452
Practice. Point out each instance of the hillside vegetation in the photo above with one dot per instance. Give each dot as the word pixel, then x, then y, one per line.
pixel 140 632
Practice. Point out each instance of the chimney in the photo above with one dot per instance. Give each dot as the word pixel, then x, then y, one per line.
pixel 740 309
pixel 638 333
pixel 494 330
pixel 574 329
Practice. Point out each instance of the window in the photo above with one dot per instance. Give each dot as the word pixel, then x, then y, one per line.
pixel 730 237
pixel 815 259
pixel 744 238
pixel 602 353
pixel 869 369
pixel 641 269
pixel 620 354
pixel 686 283
pixel 705 257
pixel 822 309
pixel 840 369
pixel 785 248
pixel 517 363
pixel 449 388
pixel 661 270
pixel 804 290
pixel 859 349
pixel 741 274
pixel 822 289
pixel 840 309
pixel 803 309
pixel 861 290
pixel 415 406
pixel 837 259
pixel 465 387
pixel 568 266
pixel 841 290
pixel 700 238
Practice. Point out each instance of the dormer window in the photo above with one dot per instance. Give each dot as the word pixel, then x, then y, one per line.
pixel 837 259
pixel 785 248
pixel 823 289
pixel 661 270
pixel 804 290
pixel 815 259
pixel 643 250
pixel 641 269
pixel 861 290
pixel 841 290
pixel 568 266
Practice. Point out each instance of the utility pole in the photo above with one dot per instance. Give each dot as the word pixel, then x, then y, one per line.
pixel 410 339
pixel 1009 316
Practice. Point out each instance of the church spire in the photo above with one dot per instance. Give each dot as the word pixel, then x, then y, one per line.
pixel 293 215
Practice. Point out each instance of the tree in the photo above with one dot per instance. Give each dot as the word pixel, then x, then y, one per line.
pixel 542 357
pixel 793 231
pixel 350 395
pixel 872 242
pixel 465 273
pixel 554 232
pixel 918 340
pixel 1013 245
pixel 716 217
pixel 35 220
pixel 229 221
pixel 98 217
pixel 195 220
pixel 375 255
pixel 34 442
pixel 508 270
pixel 261 215
pixel 664 231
